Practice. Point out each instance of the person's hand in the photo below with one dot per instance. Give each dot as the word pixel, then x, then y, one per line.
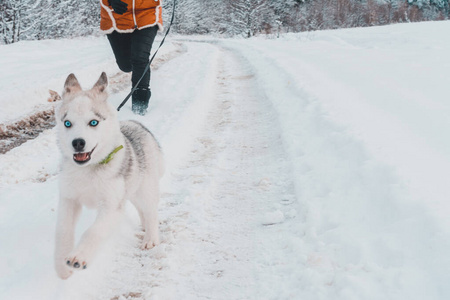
pixel 118 6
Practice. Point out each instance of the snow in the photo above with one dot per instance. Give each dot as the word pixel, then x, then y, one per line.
pixel 313 166
pixel 394 84
pixel 271 218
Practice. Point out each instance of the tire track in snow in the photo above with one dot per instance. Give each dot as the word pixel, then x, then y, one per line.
pixel 234 175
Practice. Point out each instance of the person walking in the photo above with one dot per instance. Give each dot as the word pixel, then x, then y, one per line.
pixel 131 27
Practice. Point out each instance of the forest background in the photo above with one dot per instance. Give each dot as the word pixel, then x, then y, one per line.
pixel 53 19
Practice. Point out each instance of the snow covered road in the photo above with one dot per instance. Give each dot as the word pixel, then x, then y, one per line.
pixel 277 184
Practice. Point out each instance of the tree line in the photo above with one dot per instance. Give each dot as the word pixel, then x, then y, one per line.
pixel 49 19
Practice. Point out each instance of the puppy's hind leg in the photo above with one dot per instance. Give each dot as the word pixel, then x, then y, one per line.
pixel 146 202
pixel 142 218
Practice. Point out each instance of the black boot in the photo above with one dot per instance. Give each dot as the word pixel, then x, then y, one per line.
pixel 139 100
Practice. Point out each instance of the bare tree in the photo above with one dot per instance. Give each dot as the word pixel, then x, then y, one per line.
pixel 248 17
pixel 40 19
pixel 15 21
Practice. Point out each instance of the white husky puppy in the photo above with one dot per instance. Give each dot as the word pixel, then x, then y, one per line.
pixel 104 162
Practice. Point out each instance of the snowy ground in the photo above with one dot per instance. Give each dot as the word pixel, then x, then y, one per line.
pixel 308 167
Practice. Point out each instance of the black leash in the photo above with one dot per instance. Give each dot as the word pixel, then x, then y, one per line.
pixel 147 68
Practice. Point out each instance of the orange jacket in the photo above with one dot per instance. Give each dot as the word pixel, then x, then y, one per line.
pixel 140 14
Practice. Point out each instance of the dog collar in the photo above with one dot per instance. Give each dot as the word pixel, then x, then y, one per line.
pixel 110 156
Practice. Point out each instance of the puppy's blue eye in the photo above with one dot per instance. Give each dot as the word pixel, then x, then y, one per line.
pixel 93 123
pixel 67 124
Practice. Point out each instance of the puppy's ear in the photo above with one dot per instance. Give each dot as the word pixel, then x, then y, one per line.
pixel 72 85
pixel 101 84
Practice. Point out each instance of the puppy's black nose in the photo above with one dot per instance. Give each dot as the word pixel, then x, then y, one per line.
pixel 78 144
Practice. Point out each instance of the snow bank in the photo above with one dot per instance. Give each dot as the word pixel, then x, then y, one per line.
pixel 364 121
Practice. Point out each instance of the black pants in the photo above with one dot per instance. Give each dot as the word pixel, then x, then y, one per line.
pixel 132 52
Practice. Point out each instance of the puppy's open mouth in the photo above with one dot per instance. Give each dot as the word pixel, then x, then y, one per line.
pixel 83 157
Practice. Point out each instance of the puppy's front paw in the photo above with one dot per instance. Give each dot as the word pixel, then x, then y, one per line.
pixel 76 262
pixel 149 243
pixel 63 270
